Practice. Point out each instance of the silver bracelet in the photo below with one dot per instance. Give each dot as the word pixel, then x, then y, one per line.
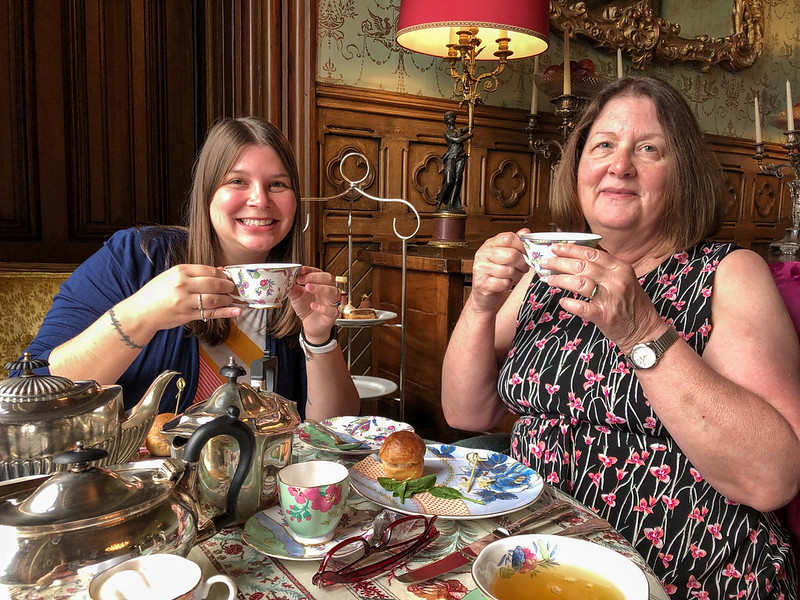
pixel 128 341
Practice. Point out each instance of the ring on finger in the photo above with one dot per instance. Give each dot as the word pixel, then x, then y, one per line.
pixel 594 291
pixel 337 303
pixel 200 307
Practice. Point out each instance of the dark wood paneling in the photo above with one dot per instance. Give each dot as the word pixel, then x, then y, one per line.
pixel 101 129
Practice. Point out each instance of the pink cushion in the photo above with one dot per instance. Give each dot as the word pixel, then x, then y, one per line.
pixel 787 278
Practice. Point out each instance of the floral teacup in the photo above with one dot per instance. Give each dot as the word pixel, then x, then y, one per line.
pixel 313 496
pixel 263 285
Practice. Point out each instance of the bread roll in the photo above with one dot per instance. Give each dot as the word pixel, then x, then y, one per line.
pixel 155 442
pixel 403 455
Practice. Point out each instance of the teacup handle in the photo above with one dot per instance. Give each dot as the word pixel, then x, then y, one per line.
pixel 205 587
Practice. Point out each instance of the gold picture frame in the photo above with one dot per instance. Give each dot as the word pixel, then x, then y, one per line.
pixel 648 38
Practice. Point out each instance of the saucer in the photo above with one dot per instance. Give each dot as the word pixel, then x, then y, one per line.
pixel 268 532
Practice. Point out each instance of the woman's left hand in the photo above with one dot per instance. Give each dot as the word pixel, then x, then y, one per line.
pixel 607 293
pixel 315 299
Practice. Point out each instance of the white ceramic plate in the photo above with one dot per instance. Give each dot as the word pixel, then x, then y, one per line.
pixel 373 387
pixel 267 532
pixel 501 483
pixel 537 552
pixel 381 316
pixel 368 429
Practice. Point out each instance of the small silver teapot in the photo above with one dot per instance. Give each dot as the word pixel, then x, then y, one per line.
pixel 42 416
pixel 272 419
pixel 86 519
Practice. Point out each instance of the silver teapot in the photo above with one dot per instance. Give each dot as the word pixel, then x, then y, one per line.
pixel 86 519
pixel 42 416
pixel 272 419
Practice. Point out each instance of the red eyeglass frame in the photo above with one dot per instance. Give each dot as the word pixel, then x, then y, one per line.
pixel 323 578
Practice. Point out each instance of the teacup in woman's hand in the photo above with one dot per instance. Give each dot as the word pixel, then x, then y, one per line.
pixel 538 246
pixel 264 285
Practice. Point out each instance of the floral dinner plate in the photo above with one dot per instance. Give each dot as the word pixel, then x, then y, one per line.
pixel 500 484
pixel 267 532
pixel 381 316
pixel 370 430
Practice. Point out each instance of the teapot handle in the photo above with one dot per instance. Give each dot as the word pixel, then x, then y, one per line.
pixel 228 424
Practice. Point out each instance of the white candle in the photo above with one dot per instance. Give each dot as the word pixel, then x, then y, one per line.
pixel 453 36
pixel 503 33
pixel 620 73
pixel 789 107
pixel 535 92
pixel 567 70
pixel 758 122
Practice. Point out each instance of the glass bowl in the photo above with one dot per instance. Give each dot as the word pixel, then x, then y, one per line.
pixel 552 83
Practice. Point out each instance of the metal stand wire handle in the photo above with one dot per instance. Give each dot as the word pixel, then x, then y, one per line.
pixel 355 186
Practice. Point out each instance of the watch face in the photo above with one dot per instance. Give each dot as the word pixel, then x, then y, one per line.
pixel 643 356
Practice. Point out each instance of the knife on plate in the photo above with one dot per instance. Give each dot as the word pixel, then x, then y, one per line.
pixel 467 554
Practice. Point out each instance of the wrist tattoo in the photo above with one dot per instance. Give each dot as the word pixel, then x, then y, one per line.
pixel 128 341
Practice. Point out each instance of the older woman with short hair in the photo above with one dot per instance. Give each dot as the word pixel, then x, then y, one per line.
pixel 655 377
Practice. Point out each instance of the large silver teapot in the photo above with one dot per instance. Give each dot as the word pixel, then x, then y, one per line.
pixel 86 519
pixel 272 419
pixel 42 416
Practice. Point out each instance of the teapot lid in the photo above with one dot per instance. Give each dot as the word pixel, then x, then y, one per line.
pixel 44 396
pixel 81 492
pixel 263 411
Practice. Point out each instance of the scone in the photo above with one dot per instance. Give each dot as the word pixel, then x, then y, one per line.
pixel 403 455
pixel 155 442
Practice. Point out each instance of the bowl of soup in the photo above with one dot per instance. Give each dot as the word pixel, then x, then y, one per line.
pixel 545 567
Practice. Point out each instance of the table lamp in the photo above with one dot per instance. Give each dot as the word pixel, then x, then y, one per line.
pixel 454 32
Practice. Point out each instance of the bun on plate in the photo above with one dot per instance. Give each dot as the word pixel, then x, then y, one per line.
pixel 155 442
pixel 403 455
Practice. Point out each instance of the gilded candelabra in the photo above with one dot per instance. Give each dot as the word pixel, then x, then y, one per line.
pixel 567 106
pixel 464 52
pixel 789 245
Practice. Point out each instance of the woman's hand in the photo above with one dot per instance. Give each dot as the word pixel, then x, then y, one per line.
pixel 315 299
pixel 498 265
pixel 175 297
pixel 618 305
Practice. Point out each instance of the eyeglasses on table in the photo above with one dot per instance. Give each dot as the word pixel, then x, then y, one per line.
pixel 349 560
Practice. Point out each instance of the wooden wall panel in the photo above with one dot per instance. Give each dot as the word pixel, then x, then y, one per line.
pixel 100 126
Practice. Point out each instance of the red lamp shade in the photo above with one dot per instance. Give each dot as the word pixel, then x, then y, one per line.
pixel 425 25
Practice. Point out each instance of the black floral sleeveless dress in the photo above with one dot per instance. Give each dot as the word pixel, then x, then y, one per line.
pixel 587 428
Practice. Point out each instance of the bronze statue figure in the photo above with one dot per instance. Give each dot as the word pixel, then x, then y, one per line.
pixel 454 159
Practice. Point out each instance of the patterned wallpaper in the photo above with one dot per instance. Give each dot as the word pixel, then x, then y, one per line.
pixel 357 48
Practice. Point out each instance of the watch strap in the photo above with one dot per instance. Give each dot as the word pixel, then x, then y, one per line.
pixel 309 348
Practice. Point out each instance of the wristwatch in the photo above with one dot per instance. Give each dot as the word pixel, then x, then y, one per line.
pixel 647 354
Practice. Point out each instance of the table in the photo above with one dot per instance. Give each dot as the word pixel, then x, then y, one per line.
pixel 261 577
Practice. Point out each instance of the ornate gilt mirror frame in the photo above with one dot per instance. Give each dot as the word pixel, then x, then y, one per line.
pixel 646 37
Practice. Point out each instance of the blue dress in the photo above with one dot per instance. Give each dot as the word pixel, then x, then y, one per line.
pixel 587 428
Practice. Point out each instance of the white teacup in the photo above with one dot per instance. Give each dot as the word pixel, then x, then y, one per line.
pixel 264 285
pixel 313 495
pixel 156 577
pixel 538 246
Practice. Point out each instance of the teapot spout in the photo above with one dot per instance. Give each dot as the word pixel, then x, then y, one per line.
pixel 135 428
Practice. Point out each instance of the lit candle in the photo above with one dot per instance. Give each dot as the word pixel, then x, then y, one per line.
pixel 567 70
pixel 758 122
pixel 535 92
pixel 620 73
pixel 789 107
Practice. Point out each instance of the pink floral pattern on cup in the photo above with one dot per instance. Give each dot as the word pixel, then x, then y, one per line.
pixel 263 285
